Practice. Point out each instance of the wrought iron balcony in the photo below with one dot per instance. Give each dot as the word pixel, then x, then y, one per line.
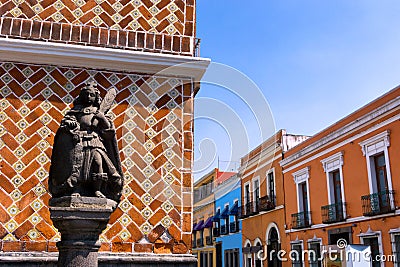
pixel 249 209
pixel 209 240
pixel 267 203
pixel 244 211
pixel 333 213
pixel 234 227
pixel 200 243
pixel 378 203
pixel 224 229
pixel 216 232
pixel 301 220
pixel 256 207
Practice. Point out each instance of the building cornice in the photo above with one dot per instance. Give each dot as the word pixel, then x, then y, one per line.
pixel 50 53
pixel 356 123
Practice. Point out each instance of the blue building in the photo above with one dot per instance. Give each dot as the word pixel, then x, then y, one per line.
pixel 227 227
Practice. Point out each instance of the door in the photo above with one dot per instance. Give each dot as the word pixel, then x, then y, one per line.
pixel 273 248
pixel 218 251
pixel 373 243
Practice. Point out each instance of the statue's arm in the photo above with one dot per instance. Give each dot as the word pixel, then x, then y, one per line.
pixel 69 122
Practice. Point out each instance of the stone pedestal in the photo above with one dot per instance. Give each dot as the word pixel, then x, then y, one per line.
pixel 80 221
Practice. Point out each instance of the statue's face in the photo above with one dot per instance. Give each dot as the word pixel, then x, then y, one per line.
pixel 88 96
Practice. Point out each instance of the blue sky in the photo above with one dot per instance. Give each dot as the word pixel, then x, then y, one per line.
pixel 315 61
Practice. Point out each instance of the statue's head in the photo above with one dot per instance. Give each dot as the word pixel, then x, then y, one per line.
pixel 89 95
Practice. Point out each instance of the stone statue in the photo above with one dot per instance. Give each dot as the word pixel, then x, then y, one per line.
pixel 85 159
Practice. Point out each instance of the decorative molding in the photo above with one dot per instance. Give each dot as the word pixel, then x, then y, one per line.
pixel 301 175
pixel 333 162
pixel 49 53
pixel 363 120
pixel 376 143
pixel 342 143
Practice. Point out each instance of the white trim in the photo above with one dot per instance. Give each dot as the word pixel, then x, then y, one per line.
pixel 344 142
pixel 265 151
pixel 301 175
pixel 246 199
pixel 257 240
pixel 52 53
pixel 331 164
pixel 257 168
pixel 296 243
pixel 310 241
pixel 361 121
pixel 372 146
pixel 272 170
pixel 375 144
pixel 267 232
pixel 393 233
pixel 371 234
pixel 254 180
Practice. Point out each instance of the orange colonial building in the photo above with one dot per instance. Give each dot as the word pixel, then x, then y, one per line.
pixel 262 211
pixel 342 183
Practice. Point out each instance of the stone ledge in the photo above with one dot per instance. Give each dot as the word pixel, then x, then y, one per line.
pixel 105 259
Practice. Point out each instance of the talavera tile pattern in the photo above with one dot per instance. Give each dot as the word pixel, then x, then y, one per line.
pixel 152 115
pixel 156 16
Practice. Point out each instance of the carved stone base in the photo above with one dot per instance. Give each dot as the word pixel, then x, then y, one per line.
pixel 80 221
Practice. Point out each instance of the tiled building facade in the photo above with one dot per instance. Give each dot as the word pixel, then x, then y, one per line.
pixel 49 49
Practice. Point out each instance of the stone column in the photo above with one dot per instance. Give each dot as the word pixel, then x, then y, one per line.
pixel 80 221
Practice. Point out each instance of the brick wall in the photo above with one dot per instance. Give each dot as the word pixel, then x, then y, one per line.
pixel 150 25
pixel 153 121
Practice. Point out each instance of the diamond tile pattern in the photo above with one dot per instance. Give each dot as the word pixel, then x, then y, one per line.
pixel 150 116
pixel 164 16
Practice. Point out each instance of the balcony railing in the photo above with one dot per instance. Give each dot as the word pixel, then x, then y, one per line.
pixel 267 203
pixel 234 227
pixel 216 232
pixel 378 203
pixel 249 209
pixel 200 243
pixel 301 220
pixel 209 240
pixel 224 229
pixel 333 213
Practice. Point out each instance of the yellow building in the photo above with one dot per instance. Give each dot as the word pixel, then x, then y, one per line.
pixel 203 212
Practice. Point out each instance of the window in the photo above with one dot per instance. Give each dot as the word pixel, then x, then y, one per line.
pixel 314 253
pixel 302 218
pixel 271 186
pixel 296 253
pixel 395 239
pixel 247 193
pixel 301 179
pixel 247 254
pixel 373 239
pixel 258 262
pixel 375 150
pixel 206 259
pixel 256 192
pixel 335 211
pixel 231 257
